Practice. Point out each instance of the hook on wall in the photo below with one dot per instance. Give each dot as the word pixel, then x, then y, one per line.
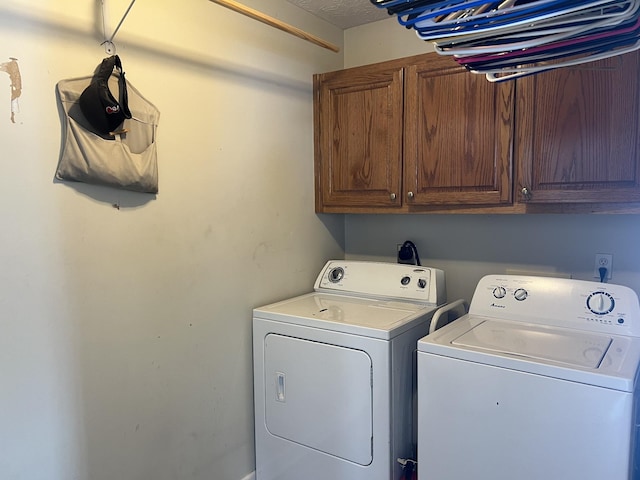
pixel 109 46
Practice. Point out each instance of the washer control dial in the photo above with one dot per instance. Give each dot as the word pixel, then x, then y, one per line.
pixel 406 280
pixel 336 274
pixel 520 294
pixel 422 283
pixel 499 292
pixel 600 303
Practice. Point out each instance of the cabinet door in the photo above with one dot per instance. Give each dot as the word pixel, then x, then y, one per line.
pixel 578 132
pixel 458 136
pixel 358 137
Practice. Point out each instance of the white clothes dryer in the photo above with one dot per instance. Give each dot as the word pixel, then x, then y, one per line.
pixel 334 372
pixel 538 381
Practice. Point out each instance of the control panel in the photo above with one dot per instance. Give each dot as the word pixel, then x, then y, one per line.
pixel 564 302
pixel 383 280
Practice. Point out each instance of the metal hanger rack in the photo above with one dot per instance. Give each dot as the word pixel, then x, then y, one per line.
pixel 109 46
pixel 273 22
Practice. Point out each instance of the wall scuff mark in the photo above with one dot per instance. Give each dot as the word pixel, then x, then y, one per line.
pixel 11 67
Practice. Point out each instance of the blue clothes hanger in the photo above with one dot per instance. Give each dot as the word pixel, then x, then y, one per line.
pixel 510 38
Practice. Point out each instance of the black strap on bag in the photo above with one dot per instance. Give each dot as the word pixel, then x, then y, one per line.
pixel 99 106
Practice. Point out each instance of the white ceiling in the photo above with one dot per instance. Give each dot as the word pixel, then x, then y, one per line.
pixel 343 13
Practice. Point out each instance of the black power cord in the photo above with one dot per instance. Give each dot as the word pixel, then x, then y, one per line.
pixel 408 254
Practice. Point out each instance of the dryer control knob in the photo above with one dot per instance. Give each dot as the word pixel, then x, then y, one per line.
pixel 336 274
pixel 499 292
pixel 520 294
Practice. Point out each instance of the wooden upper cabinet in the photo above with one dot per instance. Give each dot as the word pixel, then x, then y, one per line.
pixel 578 133
pixel 422 134
pixel 458 136
pixel 358 137
pixel 410 134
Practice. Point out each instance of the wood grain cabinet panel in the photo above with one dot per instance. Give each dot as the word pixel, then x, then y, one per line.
pixel 358 137
pixel 578 133
pixel 458 136
pixel 422 134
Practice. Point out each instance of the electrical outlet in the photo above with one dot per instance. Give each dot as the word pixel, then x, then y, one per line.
pixel 603 260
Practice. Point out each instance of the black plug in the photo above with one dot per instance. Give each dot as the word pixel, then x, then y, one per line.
pixel 408 254
pixel 405 255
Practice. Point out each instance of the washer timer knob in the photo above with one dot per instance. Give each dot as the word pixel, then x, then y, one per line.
pixel 600 303
pixel 520 294
pixel 499 292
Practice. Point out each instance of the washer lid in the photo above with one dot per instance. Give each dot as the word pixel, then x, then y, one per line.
pixel 573 348
pixel 604 360
pixel 341 313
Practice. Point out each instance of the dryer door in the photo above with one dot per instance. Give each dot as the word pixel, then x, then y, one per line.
pixel 320 396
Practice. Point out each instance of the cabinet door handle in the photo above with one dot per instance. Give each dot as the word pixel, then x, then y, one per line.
pixel 526 193
pixel 410 195
pixel 392 197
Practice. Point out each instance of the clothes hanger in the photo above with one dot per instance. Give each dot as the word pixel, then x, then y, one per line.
pixel 506 39
pixel 508 35
pixel 537 37
pixel 531 60
pixel 514 18
pixel 509 74
pixel 585 42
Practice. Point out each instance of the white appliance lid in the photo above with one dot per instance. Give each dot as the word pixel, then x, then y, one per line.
pixel 361 316
pixel 598 359
pixel 574 348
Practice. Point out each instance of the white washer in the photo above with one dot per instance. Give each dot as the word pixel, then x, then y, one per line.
pixel 334 372
pixel 537 381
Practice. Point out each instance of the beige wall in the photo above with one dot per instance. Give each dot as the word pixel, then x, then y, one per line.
pixel 467 247
pixel 125 333
pixel 380 41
